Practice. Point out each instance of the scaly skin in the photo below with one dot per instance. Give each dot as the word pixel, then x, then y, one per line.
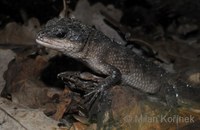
pixel 102 55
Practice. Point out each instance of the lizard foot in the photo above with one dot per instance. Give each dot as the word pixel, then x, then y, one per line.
pixel 94 94
pixel 75 81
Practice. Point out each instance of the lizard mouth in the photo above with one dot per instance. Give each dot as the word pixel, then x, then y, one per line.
pixel 49 42
pixel 56 44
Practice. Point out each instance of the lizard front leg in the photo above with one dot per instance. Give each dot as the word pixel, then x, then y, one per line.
pixel 113 77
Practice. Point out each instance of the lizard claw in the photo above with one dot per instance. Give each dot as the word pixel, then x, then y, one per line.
pixel 95 93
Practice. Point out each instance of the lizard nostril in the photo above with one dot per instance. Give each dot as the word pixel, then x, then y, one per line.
pixel 40 34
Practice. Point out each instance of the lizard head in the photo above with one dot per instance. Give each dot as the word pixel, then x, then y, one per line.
pixel 68 36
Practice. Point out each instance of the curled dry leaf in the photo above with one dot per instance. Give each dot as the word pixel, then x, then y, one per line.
pixel 65 100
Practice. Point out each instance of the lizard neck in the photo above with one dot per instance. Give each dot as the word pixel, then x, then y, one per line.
pixel 82 54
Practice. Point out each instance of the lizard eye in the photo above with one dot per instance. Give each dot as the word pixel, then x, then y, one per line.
pixel 61 35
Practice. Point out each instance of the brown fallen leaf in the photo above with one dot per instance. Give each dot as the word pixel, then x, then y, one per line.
pixel 18 117
pixel 62 107
pixel 22 82
pixel 79 126
pixel 20 34
pixel 5 57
